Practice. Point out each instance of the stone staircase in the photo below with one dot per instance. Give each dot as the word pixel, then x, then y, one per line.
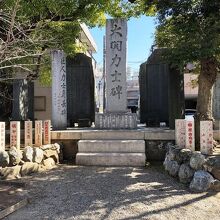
pixel 111 153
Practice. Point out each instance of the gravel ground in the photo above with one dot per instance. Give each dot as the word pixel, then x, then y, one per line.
pixel 72 192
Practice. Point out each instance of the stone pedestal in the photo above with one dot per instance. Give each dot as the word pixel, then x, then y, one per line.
pixel 116 120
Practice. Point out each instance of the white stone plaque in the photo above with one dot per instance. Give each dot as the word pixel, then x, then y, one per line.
pixel 38 133
pixel 190 135
pixel 15 134
pixel 59 102
pixel 28 136
pixel 47 135
pixel 2 135
pixel 116 47
pixel 206 137
pixel 180 132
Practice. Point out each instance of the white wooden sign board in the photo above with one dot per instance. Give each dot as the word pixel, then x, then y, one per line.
pixel 15 134
pixel 38 133
pixel 2 135
pixel 190 135
pixel 47 134
pixel 28 136
pixel 180 132
pixel 206 137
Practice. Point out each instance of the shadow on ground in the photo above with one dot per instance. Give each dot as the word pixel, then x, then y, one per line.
pixel 72 192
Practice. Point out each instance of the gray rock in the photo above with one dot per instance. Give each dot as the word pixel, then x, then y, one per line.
pixel 185 154
pixel 166 162
pixel 201 182
pixel 174 154
pixel 185 173
pixel 28 154
pixel 197 160
pixel 28 168
pixel 52 153
pixel 172 167
pixel 4 159
pixel 55 146
pixel 215 186
pixel 38 155
pixel 15 156
pixel 9 173
pixel 212 165
pixel 49 163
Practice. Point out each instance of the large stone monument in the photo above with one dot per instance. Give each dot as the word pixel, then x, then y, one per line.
pixel 216 102
pixel 80 91
pixel 59 103
pixel 161 91
pixel 116 115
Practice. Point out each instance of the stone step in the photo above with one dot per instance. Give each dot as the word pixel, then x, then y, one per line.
pixel 111 146
pixel 111 159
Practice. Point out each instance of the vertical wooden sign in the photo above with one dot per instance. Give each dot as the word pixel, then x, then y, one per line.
pixel 28 136
pixel 2 135
pixel 206 137
pixel 180 132
pixel 38 133
pixel 47 135
pixel 15 134
pixel 190 135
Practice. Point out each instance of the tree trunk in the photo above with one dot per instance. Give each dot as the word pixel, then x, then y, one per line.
pixel 207 78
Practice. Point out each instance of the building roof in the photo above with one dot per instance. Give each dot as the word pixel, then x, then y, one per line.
pixel 86 37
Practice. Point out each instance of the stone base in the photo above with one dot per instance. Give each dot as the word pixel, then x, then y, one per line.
pixel 111 159
pixel 111 153
pixel 116 120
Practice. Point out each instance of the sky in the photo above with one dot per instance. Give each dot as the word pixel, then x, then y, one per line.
pixel 140 39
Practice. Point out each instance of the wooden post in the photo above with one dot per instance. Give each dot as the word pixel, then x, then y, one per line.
pixel 15 134
pixel 190 135
pixel 206 137
pixel 38 134
pixel 180 132
pixel 2 136
pixel 47 135
pixel 28 136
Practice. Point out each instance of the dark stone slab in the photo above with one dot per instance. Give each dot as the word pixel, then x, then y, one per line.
pixel 161 92
pixel 80 90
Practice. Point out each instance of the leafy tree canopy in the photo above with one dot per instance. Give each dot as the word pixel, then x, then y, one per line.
pixel 30 28
pixel 189 28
